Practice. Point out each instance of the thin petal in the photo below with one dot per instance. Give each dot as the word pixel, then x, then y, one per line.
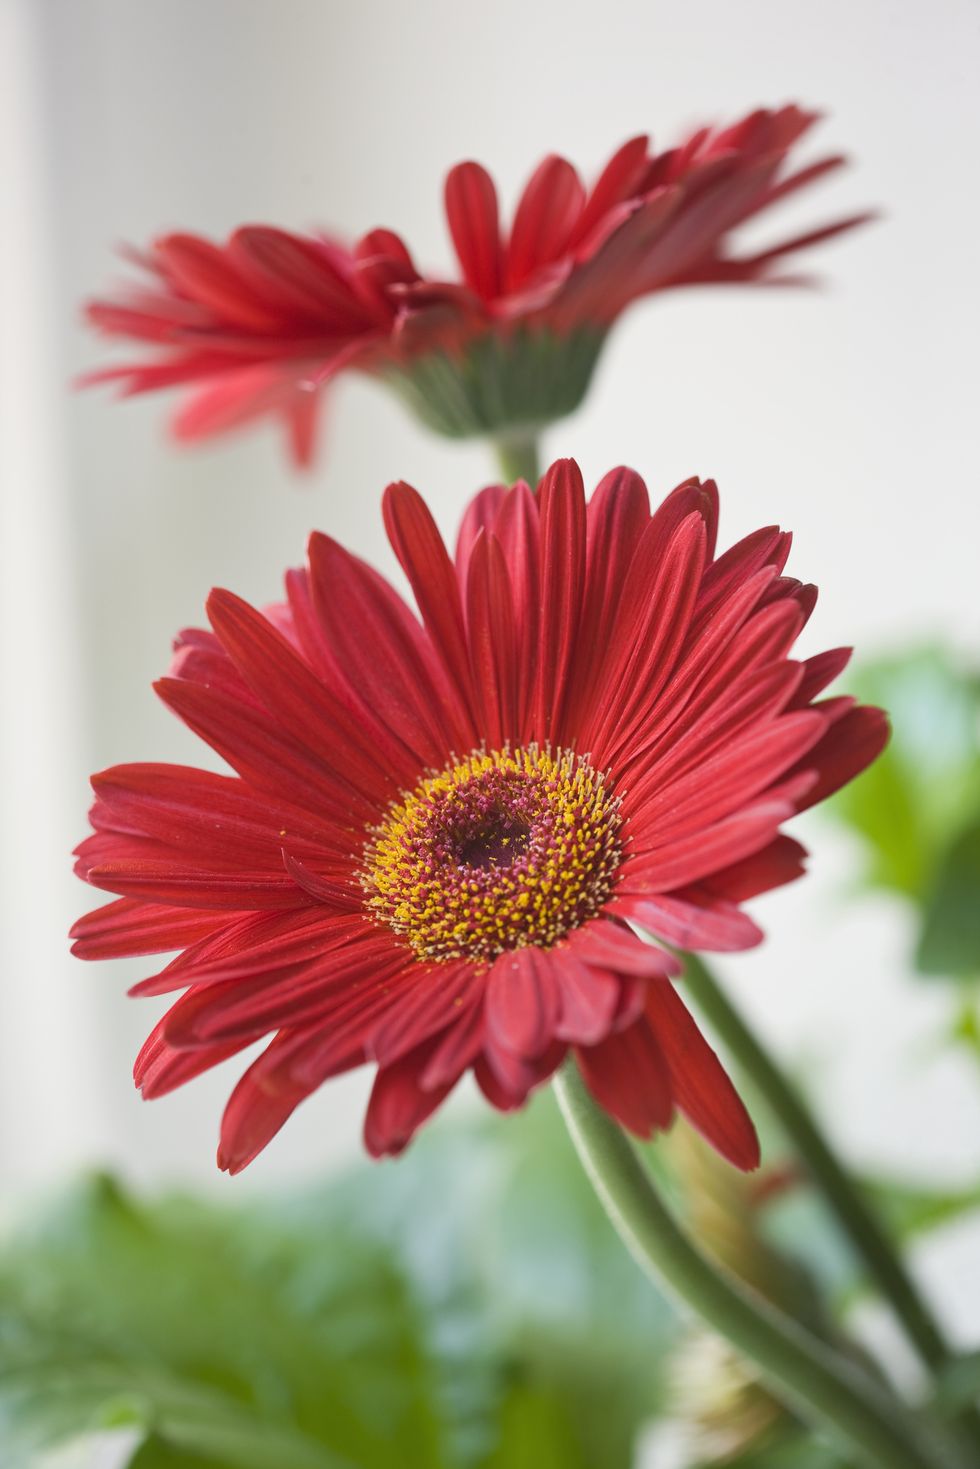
pixel 493 641
pixel 399 1104
pixel 589 997
pixel 265 1098
pixel 700 853
pixel 350 748
pixel 700 1084
pixel 628 1076
pixel 480 514
pixel 430 1001
pixel 474 223
pixel 547 214
pixel 130 927
pixel 561 498
pixel 523 1001
pixel 848 747
pixel 691 919
pixel 382 652
pixel 657 603
pixel 419 547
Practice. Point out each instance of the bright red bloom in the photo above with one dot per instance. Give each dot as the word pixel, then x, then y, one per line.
pixel 437 835
pixel 261 324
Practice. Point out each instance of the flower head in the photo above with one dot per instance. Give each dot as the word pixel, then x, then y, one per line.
pixel 263 323
pixel 440 836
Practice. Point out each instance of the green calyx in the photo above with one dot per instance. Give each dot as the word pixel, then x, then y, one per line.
pixel 500 385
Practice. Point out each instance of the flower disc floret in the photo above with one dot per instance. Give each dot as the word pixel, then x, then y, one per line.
pixel 505 849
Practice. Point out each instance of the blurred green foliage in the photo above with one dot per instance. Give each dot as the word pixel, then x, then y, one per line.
pixel 367 1325
pixel 918 807
pixel 467 1308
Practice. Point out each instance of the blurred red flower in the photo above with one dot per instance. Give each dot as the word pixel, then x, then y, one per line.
pixel 261 325
pixel 437 835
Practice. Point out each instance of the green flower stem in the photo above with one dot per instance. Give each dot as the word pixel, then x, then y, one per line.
pixel 517 456
pixel 854 1214
pixel 863 1419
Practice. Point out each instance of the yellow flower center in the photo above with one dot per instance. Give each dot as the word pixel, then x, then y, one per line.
pixel 506 849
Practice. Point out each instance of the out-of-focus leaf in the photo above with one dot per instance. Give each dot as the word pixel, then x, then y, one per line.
pixel 965 1029
pixel 950 939
pixel 607 1392
pixel 501 1214
pixel 799 1450
pixel 504 1203
pixel 959 1384
pixel 156 1453
pixel 535 1434
pixel 401 1315
pixel 910 1209
pixel 915 798
pixel 227 1337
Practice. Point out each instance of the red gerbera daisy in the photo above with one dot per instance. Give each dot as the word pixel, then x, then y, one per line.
pixel 438 835
pixel 261 324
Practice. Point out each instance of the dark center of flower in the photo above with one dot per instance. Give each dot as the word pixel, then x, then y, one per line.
pixel 506 849
pixel 497 845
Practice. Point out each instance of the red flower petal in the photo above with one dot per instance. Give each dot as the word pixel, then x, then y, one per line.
pixel 781 862
pixel 628 1076
pixel 471 209
pixel 691 918
pixel 480 514
pixel 523 1001
pixel 561 499
pixel 425 561
pixel 493 641
pixel 207 273
pixel 588 1000
pixel 818 672
pixel 303 705
pixel 848 747
pixel 382 652
pixel 620 180
pixel 610 945
pixel 399 1105
pixel 699 1083
pixel 254 745
pixel 694 856
pixel 546 217
pixel 657 603
pixel 428 1004
pixel 265 1098
pixel 297 275
pixel 131 926
pixel 160 1069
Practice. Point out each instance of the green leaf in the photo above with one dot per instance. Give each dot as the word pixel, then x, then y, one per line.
pixel 964 1031
pixel 403 1315
pixel 959 1384
pixel 799 1450
pixel 535 1433
pixel 910 1209
pixel 501 1215
pixel 504 1207
pixel 157 1453
pixel 227 1336
pixel 950 940
pixel 913 800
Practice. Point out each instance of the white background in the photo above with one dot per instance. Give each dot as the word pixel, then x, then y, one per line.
pixel 847 414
